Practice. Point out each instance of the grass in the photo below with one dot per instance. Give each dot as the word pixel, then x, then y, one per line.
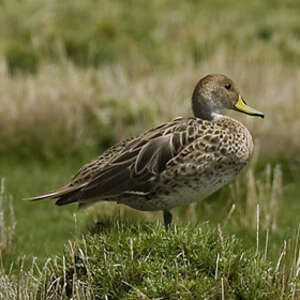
pixel 32 218
pixel 146 34
pixel 155 59
pixel 142 261
pixel 252 187
pixel 76 78
pixel 256 240
pixel 122 260
pixel 7 223
pixel 94 109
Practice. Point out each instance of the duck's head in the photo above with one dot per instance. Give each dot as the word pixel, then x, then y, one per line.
pixel 216 92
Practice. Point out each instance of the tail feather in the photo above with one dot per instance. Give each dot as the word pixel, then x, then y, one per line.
pixel 42 197
pixel 64 193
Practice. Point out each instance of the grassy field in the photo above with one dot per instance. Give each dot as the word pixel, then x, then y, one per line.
pixel 125 260
pixel 76 77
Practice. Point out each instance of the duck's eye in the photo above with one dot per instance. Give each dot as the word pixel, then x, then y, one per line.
pixel 227 86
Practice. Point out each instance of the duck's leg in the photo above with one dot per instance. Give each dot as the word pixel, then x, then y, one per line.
pixel 167 218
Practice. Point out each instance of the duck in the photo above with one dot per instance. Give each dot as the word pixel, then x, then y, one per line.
pixel 173 164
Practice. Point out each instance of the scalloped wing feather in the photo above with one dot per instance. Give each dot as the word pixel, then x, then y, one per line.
pixel 133 166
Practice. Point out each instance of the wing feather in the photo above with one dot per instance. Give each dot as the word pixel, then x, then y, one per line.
pixel 133 166
pixel 136 174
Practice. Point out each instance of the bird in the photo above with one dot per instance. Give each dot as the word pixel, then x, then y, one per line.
pixel 173 164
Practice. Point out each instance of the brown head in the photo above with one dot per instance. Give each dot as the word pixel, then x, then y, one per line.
pixel 216 92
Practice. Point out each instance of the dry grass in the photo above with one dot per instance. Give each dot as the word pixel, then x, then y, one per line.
pixel 7 222
pixel 136 51
pixel 257 200
pixel 64 105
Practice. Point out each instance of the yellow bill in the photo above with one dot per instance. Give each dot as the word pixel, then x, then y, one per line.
pixel 243 107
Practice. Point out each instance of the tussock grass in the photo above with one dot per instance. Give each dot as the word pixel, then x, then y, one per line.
pixel 122 260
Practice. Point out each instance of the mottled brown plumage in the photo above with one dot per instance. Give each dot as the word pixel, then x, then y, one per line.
pixel 178 162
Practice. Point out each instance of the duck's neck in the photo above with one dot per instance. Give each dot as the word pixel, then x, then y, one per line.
pixel 204 109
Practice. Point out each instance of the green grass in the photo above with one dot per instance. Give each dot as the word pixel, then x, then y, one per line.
pixel 130 261
pixel 43 228
pixel 37 220
pixel 156 33
pixel 123 260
